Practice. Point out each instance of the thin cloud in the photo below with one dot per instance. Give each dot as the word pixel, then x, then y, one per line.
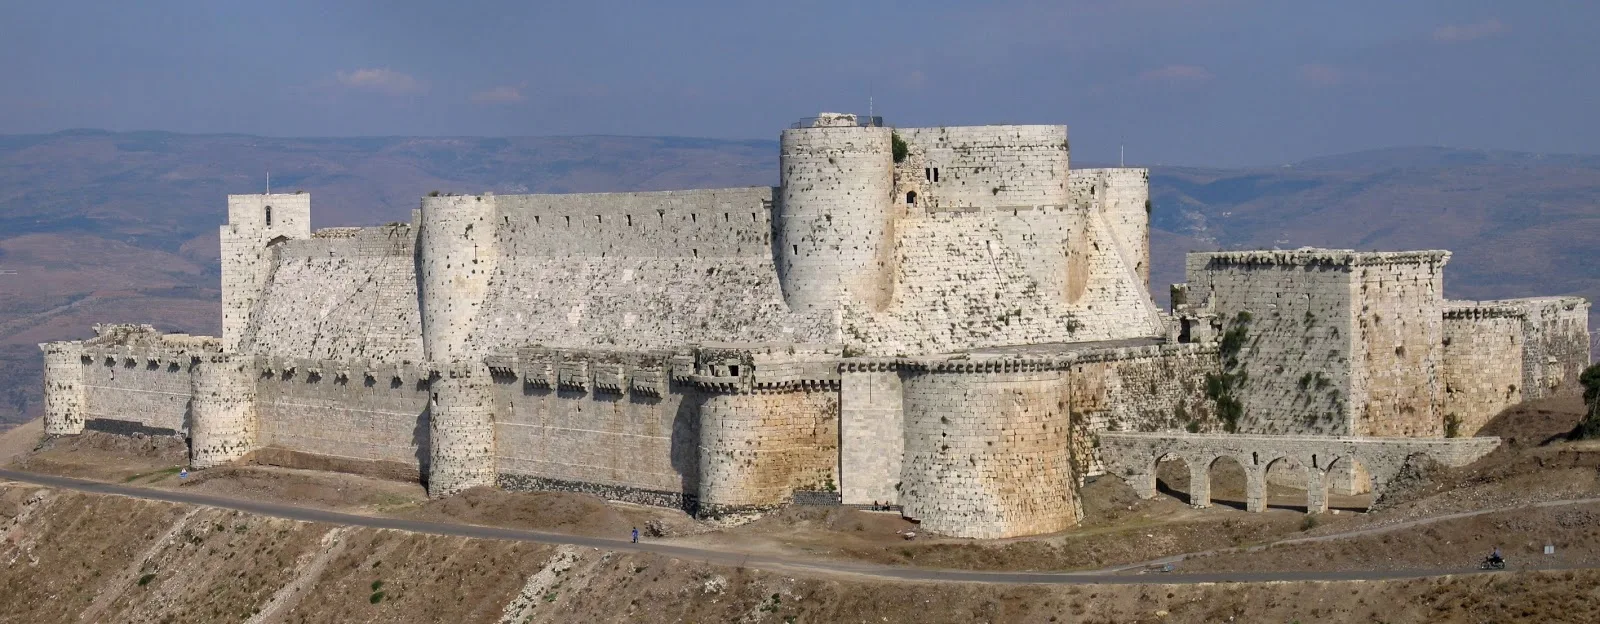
pixel 1319 75
pixel 1456 33
pixel 1177 74
pixel 499 95
pixel 381 80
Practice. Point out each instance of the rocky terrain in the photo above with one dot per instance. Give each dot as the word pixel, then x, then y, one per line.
pixel 70 556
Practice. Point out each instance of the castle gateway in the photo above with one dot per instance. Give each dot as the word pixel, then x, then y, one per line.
pixel 939 319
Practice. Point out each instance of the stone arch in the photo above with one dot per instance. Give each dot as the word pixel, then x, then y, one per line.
pixel 1283 472
pixel 1229 480
pixel 911 198
pixel 1172 473
pixel 1338 481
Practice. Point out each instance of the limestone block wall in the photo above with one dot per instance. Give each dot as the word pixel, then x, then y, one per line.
pixel 1556 345
pixel 769 422
pixel 871 432
pixel 835 216
pixel 637 271
pixel 1482 366
pixel 616 430
pixel 1399 305
pixel 137 390
pixel 457 255
pixel 980 279
pixel 1123 196
pixel 1154 388
pixel 461 435
pixel 255 222
pixel 223 426
pixel 987 453
pixel 357 411
pixel 344 294
pixel 1292 324
pixel 991 167
pixel 65 391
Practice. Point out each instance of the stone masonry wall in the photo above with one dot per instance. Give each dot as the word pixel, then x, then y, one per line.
pixel 1158 388
pixel 990 167
pixel 345 410
pixel 1123 195
pixel 255 223
pixel 131 390
pixel 1292 324
pixel 1556 345
pixel 223 425
pixel 757 448
pixel 835 216
pixel 636 271
pixel 987 451
pixel 614 440
pixel 1482 366
pixel 65 395
pixel 871 433
pixel 346 294
pixel 980 279
pixel 1396 389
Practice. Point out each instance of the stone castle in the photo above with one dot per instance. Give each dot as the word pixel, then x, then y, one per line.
pixel 943 320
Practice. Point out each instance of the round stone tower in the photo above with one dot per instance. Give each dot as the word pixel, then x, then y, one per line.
pixel 834 219
pixel 457 254
pixel 223 413
pixel 64 391
pixel 461 429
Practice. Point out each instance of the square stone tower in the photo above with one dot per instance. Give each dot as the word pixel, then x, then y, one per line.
pixel 1326 342
pixel 255 223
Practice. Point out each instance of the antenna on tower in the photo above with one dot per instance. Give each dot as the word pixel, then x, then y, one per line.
pixel 269 181
pixel 1122 155
pixel 869 107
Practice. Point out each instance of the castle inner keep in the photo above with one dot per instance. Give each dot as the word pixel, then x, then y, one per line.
pixel 943 320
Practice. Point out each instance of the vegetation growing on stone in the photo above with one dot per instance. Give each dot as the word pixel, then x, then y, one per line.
pixel 898 146
pixel 1589 427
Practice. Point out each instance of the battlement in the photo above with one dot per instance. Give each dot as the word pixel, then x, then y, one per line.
pixel 1311 257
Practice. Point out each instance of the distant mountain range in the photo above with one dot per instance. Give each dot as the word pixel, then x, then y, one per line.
pixel 122 227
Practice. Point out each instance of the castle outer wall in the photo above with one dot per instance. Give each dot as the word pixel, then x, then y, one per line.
pixel 945 330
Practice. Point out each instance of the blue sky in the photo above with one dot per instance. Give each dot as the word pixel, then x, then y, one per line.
pixel 1197 82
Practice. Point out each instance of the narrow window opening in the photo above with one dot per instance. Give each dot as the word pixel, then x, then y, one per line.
pixel 927 172
pixel 1255 459
pixel 911 198
pixel 694 218
pixel 696 253
pixel 935 174
pixel 752 217
pixel 597 219
pixel 796 249
pixel 724 217
pixel 536 219
pixel 630 220
pixel 569 220
pixel 269 216
pixel 733 371
pixel 1314 462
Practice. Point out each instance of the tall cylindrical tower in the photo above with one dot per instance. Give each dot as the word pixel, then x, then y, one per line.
pixel 834 219
pixel 987 451
pixel 65 397
pixel 223 423
pixel 461 429
pixel 457 254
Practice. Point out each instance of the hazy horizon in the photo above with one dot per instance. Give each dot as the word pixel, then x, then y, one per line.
pixel 1222 83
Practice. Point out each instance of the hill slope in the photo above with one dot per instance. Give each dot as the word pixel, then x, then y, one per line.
pixel 121 227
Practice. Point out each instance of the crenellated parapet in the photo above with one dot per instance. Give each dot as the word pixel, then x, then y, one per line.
pixel 1318 257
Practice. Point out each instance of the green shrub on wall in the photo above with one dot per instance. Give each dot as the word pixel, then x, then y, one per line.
pixel 1589 427
pixel 898 145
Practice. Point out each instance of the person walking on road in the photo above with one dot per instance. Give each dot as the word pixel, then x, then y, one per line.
pixel 635 535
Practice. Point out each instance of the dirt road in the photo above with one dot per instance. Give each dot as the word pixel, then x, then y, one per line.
pixel 770 563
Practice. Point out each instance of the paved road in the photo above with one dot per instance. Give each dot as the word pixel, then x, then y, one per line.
pixel 765 562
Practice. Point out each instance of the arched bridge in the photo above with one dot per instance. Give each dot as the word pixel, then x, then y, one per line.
pixel 1134 456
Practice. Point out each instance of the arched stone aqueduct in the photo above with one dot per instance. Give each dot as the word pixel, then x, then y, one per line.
pixel 1134 456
